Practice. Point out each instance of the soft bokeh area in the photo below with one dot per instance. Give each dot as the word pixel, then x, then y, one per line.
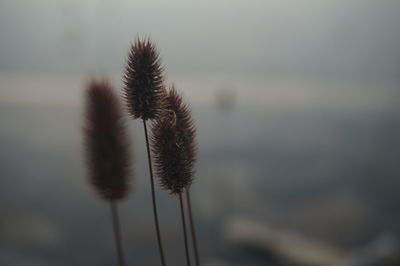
pixel 297 106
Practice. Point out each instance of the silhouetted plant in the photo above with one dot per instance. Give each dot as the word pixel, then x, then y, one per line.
pixel 143 80
pixel 144 91
pixel 107 150
pixel 174 149
pixel 173 144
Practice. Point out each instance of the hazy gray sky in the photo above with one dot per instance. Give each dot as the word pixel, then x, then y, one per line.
pixel 357 39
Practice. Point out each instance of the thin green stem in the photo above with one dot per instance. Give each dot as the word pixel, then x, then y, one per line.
pixel 153 197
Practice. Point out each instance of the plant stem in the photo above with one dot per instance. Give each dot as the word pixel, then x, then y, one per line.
pixel 153 196
pixel 184 230
pixel 117 232
pixel 192 228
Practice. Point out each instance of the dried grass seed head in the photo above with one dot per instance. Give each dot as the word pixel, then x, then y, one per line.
pixel 107 143
pixel 173 144
pixel 143 79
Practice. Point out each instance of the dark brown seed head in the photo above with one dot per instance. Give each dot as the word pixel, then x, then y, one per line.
pixel 107 145
pixel 173 144
pixel 143 80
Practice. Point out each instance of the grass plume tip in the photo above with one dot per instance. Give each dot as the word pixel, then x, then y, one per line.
pixel 173 144
pixel 143 80
pixel 106 142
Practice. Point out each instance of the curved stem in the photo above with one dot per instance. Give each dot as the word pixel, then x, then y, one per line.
pixel 117 232
pixel 184 230
pixel 192 228
pixel 153 196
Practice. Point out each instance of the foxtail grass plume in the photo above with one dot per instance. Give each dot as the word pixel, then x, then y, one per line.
pixel 143 80
pixel 173 143
pixel 107 143
pixel 144 90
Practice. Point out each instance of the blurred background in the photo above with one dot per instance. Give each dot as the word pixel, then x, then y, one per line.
pixel 298 114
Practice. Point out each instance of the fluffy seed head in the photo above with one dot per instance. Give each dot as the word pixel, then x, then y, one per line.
pixel 143 80
pixel 107 144
pixel 173 144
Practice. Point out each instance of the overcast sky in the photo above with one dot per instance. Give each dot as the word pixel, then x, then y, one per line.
pixel 357 39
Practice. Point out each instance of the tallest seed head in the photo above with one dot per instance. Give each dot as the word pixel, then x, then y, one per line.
pixel 143 80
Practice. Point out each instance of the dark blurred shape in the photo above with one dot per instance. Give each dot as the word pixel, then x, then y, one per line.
pixel 106 142
pixel 383 250
pixel 278 247
pixel 174 146
pixel 225 99
pixel 251 243
pixel 252 255
pixel 144 80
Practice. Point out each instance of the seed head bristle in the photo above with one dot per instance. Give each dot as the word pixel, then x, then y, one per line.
pixel 173 144
pixel 107 144
pixel 143 79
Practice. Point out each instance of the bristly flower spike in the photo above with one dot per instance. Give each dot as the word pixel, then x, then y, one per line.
pixel 144 90
pixel 143 79
pixel 107 143
pixel 173 143
pixel 107 153
pixel 174 150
